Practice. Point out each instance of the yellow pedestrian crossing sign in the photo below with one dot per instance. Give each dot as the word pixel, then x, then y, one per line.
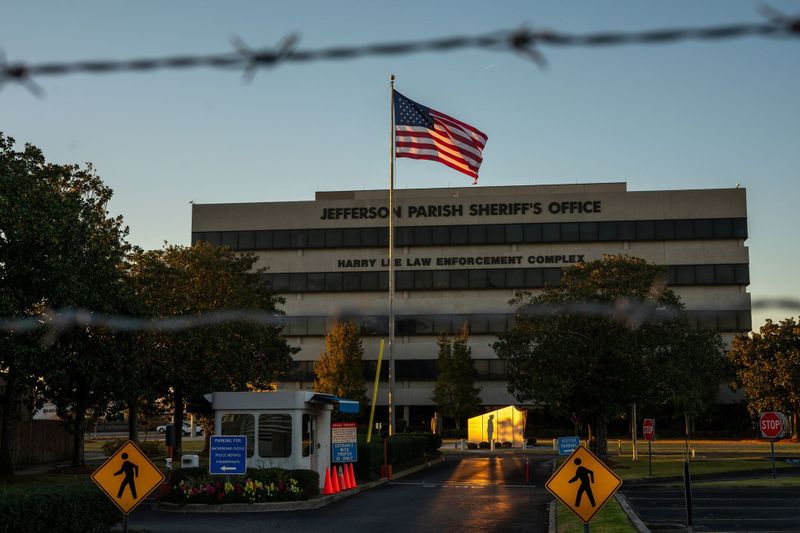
pixel 128 477
pixel 583 483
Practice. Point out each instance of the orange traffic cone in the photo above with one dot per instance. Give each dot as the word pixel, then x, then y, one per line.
pixel 328 489
pixel 346 474
pixel 335 482
pixel 342 480
pixel 352 475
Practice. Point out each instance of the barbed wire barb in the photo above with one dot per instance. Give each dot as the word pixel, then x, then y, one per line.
pixel 266 57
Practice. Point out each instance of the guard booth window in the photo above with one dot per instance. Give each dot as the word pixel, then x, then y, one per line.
pixel 307 440
pixel 274 435
pixel 240 425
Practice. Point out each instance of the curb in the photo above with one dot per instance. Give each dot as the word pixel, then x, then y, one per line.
pixel 632 516
pixel 274 507
pixel 551 523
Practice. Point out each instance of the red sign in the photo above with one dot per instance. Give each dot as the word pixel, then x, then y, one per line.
pixel 649 428
pixel 771 425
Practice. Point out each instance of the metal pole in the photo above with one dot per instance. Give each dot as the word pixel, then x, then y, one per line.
pixel 772 446
pixel 687 493
pixel 650 456
pixel 585 528
pixel 375 393
pixel 124 522
pixel 391 262
pixel 634 455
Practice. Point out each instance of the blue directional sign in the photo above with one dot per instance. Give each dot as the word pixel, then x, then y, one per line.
pixel 228 455
pixel 344 452
pixel 567 445
pixel 343 442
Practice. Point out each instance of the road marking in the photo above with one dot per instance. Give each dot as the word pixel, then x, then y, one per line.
pixel 460 485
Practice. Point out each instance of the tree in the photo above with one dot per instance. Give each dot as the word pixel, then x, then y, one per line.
pixel 59 248
pixel 767 367
pixel 611 334
pixel 179 281
pixel 455 393
pixel 340 369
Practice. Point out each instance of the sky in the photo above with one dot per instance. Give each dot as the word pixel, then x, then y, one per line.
pixel 677 116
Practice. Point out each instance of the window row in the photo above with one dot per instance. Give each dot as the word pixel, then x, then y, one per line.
pixel 494 278
pixel 626 230
pixel 481 324
pixel 406 370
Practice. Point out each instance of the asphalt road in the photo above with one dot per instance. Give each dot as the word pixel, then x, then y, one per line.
pixel 717 509
pixel 462 494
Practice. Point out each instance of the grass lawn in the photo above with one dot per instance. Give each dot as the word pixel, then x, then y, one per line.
pixel 778 482
pixel 673 466
pixel 611 518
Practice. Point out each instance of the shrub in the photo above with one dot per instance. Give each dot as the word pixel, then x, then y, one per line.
pixel 434 441
pixel 68 508
pixel 370 459
pixel 505 444
pixel 151 448
pixel 472 446
pixel 308 480
pixel 406 448
pixel 267 475
pixel 484 445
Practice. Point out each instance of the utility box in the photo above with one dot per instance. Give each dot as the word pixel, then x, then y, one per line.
pixel 284 429
pixel 190 461
pixel 508 425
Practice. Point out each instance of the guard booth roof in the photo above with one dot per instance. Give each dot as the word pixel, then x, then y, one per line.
pixel 345 406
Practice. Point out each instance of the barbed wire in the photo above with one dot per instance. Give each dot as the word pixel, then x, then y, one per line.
pixel 524 41
pixel 58 321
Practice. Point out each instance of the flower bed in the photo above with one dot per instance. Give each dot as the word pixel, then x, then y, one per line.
pixel 238 491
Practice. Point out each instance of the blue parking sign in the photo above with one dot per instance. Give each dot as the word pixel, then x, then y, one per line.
pixel 228 455
pixel 567 445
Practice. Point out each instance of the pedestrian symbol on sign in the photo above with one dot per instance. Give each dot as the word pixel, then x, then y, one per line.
pixel 131 471
pixel 586 477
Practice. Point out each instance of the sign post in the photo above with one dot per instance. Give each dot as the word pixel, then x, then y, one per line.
pixel 584 484
pixel 227 455
pixel 772 425
pixel 649 433
pixel 127 478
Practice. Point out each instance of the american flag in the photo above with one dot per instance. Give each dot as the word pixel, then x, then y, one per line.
pixel 422 133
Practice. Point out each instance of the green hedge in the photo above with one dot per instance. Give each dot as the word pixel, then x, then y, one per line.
pixel 434 441
pixel 402 449
pixel 151 448
pixel 68 508
pixel 370 459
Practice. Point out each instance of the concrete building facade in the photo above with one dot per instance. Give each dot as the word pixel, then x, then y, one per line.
pixel 460 255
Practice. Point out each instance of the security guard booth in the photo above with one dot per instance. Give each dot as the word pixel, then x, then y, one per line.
pixel 508 425
pixel 284 429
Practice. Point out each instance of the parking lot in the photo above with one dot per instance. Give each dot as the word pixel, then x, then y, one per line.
pixel 718 509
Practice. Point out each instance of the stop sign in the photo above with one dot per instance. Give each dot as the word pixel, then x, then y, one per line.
pixel 771 425
pixel 649 428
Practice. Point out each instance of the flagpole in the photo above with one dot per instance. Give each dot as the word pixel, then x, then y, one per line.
pixel 392 426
